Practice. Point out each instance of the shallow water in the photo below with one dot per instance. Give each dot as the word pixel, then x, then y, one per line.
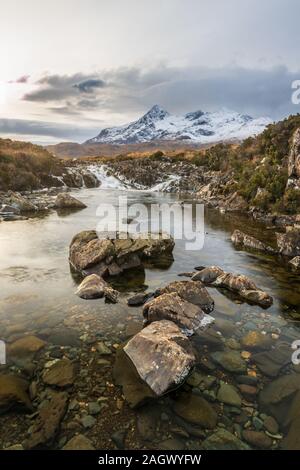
pixel 37 288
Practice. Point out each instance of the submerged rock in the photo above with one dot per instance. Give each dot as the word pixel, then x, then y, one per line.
pixel 46 425
pixel 230 361
pixel 257 439
pixel 208 275
pixel 139 299
pixel 13 392
pixel 162 356
pixel 191 291
pixel 174 308
pixel 66 201
pixel 79 442
pixel 196 410
pixel 256 340
pixel 229 395
pixel 224 440
pixel 60 374
pixel 242 239
pixel 28 345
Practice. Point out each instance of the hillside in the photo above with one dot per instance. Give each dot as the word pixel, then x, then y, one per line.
pixel 24 166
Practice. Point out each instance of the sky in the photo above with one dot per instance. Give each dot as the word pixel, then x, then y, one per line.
pixel 72 67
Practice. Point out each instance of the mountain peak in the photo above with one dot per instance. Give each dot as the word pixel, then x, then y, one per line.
pixel 197 126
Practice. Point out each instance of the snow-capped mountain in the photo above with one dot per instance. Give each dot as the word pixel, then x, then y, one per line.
pixel 197 126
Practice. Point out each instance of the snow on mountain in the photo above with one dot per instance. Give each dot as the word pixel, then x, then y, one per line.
pixel 197 126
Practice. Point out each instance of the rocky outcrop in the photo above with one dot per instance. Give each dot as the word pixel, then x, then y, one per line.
pixel 191 291
pixel 289 243
pixel 162 356
pixel 19 202
pixel 172 307
pixel 235 203
pixel 66 201
pixel 89 254
pixel 242 239
pixel 294 162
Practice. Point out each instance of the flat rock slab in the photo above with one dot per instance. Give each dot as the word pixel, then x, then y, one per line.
pixel 28 345
pixel 172 307
pixel 230 361
pixel 162 356
pixel 191 291
pixel 66 201
pixel 60 374
pixel 47 423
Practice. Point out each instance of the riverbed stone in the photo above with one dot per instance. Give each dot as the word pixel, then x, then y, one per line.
pixel 191 291
pixel 257 439
pixel 279 389
pixel 256 340
pixel 230 361
pixel 13 393
pixel 79 442
pixel 139 299
pixel 196 410
pixel 229 395
pixel 61 373
pixel 28 345
pixel 174 308
pixel 208 275
pixel 162 356
pixel 240 238
pixel 223 440
pixel 271 362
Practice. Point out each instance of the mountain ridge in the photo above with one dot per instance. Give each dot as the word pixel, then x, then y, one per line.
pixel 195 127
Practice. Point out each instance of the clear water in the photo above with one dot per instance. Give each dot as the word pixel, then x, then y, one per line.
pixel 37 288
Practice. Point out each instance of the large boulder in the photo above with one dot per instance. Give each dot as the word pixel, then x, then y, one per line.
pixel 103 256
pixel 242 239
pixel 186 315
pixel 289 243
pixel 13 392
pixel 162 356
pixel 191 291
pixel 90 180
pixel 208 275
pixel 196 410
pixel 66 201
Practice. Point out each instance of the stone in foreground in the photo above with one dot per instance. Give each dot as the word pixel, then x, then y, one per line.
pixel 186 315
pixel 94 287
pixel 162 356
pixel 79 442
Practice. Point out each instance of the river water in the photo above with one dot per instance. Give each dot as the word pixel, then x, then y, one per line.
pixel 37 297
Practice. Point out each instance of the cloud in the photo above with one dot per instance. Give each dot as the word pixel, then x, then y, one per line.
pixel 21 80
pixel 88 86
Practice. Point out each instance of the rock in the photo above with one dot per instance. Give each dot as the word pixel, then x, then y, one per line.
pixel 139 299
pixel 292 440
pixel 65 337
pixel 244 287
pixel 135 390
pixel 208 275
pixel 94 287
pixel 229 395
pixel 191 291
pixel 242 239
pixel 278 390
pixel 146 424
pixel 13 392
pixel 90 180
pixel 6 209
pixel 66 201
pixel 295 262
pixel 94 408
pixel 24 346
pixel 174 308
pixel 226 327
pixel 79 442
pixel 271 425
pixel 102 349
pixel 88 421
pixel 60 374
pixel 15 447
pixel 118 438
pixel 89 254
pixel 257 439
pixel 196 410
pixel 256 340
pixel 223 440
pixel 162 356
pixel 271 362
pixel 20 202
pixel 248 391
pixel 235 203
pixel 230 361
pixel 246 379
pixel 289 243
pixel 171 444
pixel 46 425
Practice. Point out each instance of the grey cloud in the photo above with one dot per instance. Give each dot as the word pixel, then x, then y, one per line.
pixel 88 86
pixel 21 80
